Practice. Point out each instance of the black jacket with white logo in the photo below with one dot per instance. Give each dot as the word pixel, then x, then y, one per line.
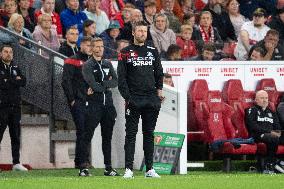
pixel 10 94
pixel 140 72
pixel 73 83
pixel 100 76
pixel 261 121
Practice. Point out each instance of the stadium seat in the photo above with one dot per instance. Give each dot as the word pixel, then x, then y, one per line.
pixel 197 101
pixel 248 100
pixel 219 127
pixel 268 84
pixel 233 95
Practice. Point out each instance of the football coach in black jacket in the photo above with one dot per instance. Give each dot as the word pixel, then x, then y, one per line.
pixel 11 79
pixel 140 83
pixel 101 77
pixel 76 89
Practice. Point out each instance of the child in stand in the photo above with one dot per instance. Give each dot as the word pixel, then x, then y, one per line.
pixel 185 43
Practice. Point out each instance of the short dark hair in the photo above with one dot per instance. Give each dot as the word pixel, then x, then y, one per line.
pixel 209 47
pixel 71 28
pixel 167 75
pixel 6 45
pixel 173 48
pixel 260 50
pixel 86 39
pixel 149 3
pixel 139 23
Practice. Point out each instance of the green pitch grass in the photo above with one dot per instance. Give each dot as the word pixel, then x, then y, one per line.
pixel 67 179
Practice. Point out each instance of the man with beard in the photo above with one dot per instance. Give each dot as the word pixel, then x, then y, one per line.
pixel 76 90
pixel 69 47
pixel 11 80
pixel 251 33
pixel 140 83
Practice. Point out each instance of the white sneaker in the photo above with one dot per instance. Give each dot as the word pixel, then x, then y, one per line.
pixel 19 167
pixel 152 173
pixel 128 174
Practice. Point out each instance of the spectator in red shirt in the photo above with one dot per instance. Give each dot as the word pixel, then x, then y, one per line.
pixel 48 8
pixel 185 43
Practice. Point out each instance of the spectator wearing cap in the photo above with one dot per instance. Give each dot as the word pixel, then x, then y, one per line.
pixel 45 34
pixel 113 9
pixel 247 7
pixel 48 8
pixel 110 37
pixel 257 54
pixel 162 36
pixel 277 23
pixel 167 9
pixel 72 16
pixel 185 43
pixel 205 32
pixel 221 20
pixel 251 33
pixel 28 14
pixel 89 30
pixel 273 50
pixel 149 11
pixel 94 12
pixel 208 53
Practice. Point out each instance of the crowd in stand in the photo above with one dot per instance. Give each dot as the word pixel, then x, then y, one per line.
pixel 179 29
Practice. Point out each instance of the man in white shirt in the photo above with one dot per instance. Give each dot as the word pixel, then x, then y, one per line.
pixel 94 13
pixel 251 33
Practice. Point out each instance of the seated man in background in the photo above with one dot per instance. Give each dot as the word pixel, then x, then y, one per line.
pixel 273 50
pixel 263 126
pixel 208 53
pixel 257 54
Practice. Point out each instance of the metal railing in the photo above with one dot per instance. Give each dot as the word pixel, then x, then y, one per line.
pixel 44 75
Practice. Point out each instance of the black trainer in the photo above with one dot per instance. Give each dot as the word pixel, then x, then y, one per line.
pixel 111 172
pixel 84 173
pixel 269 169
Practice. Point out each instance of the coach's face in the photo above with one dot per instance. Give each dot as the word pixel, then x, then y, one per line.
pixel 140 34
pixel 7 54
pixel 98 49
pixel 261 99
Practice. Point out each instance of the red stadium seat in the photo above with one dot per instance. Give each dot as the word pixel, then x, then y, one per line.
pixel 248 100
pixel 197 101
pixel 219 127
pixel 269 86
pixel 233 94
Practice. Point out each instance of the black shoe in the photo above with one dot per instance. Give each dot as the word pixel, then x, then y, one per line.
pixel 269 169
pixel 111 172
pixel 84 173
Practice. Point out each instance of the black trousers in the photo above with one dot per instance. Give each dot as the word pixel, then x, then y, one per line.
pixel 272 143
pixel 148 108
pixel 11 117
pixel 78 111
pixel 105 115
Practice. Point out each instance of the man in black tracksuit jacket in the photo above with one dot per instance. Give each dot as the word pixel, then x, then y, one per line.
pixel 263 126
pixel 11 79
pixel 140 83
pixel 75 89
pixel 101 77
